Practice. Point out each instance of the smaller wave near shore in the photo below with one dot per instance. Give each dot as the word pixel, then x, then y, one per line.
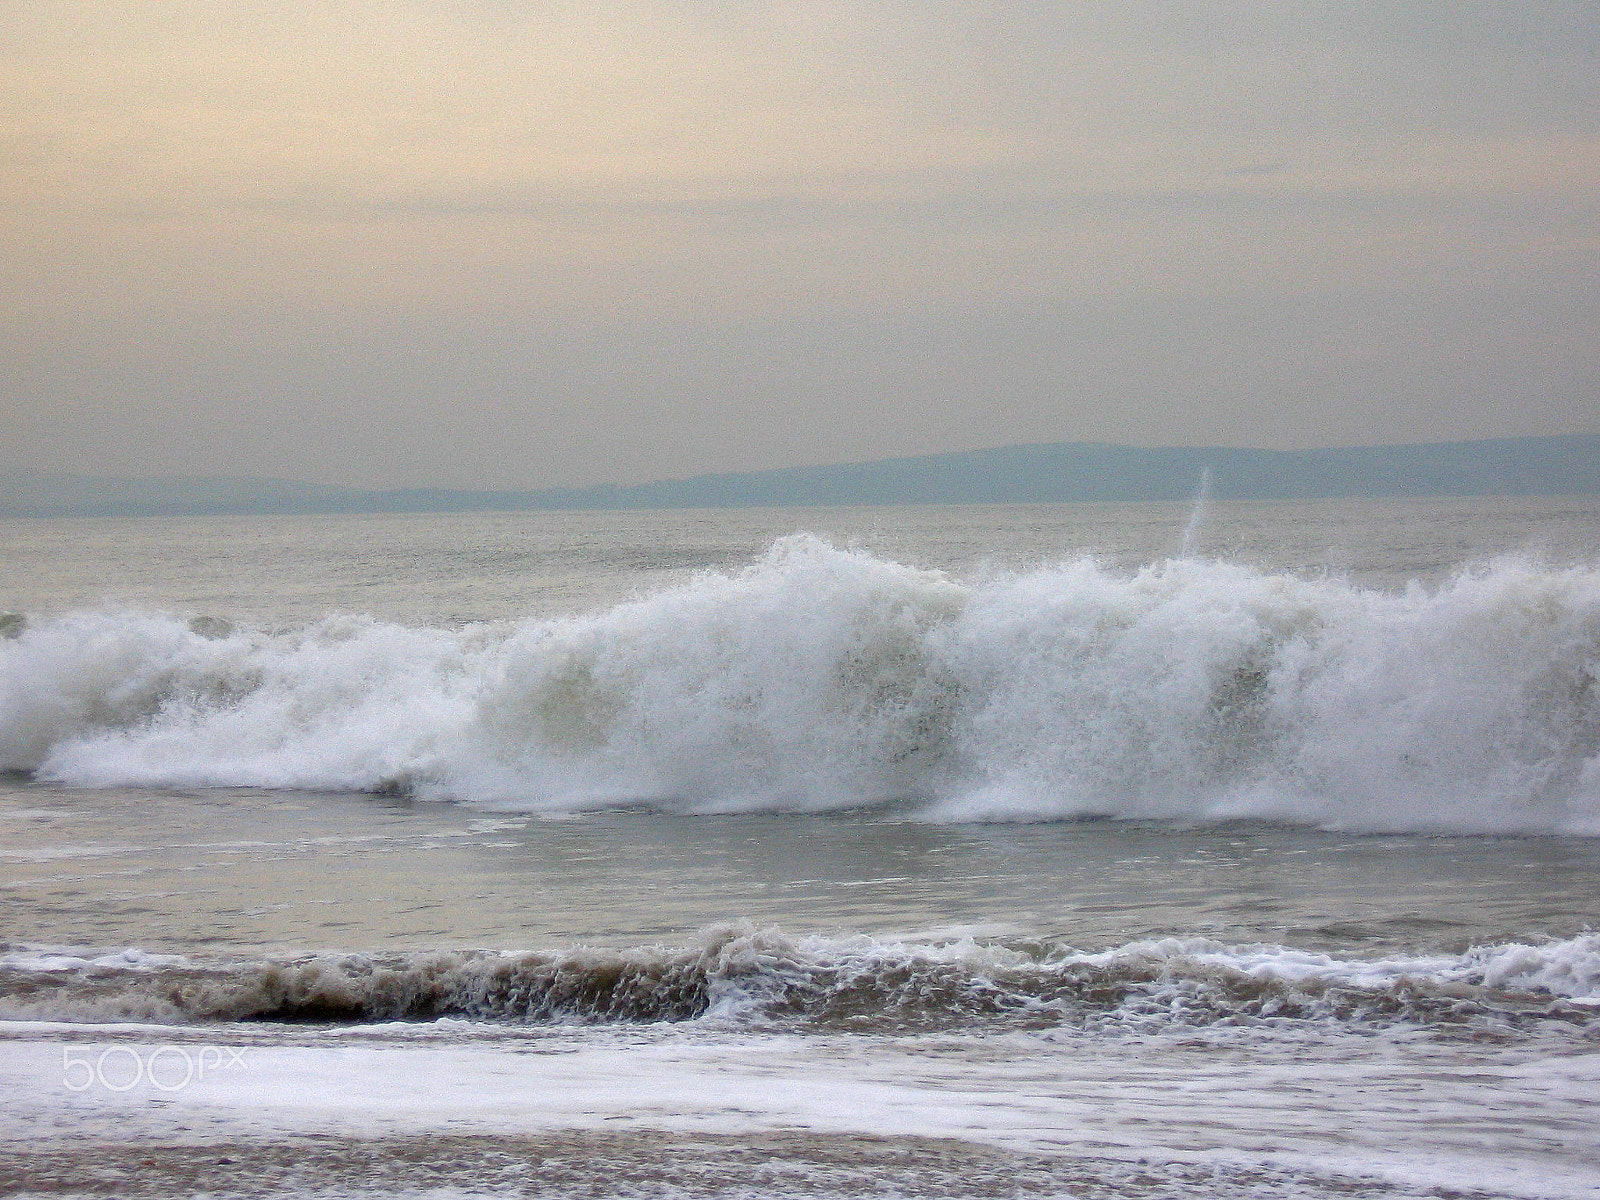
pixel 744 976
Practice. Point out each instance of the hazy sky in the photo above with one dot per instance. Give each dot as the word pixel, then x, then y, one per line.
pixel 501 243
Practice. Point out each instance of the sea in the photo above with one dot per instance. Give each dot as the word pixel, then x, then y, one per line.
pixel 1126 850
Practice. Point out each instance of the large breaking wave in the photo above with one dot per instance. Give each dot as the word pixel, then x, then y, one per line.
pixel 821 677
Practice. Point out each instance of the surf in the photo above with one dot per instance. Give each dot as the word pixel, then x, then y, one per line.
pixel 742 975
pixel 823 677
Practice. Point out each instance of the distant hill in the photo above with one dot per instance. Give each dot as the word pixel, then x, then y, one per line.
pixel 1066 471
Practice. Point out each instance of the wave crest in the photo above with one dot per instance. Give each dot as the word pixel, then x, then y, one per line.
pixel 820 678
pixel 746 975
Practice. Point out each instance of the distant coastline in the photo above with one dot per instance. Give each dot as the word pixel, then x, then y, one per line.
pixel 1065 471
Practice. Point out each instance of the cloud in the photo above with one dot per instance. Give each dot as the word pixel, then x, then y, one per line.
pixel 221 183
pixel 195 104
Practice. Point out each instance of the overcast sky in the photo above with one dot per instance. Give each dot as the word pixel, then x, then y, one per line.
pixel 502 243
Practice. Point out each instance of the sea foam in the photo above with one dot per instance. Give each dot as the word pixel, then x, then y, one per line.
pixel 821 677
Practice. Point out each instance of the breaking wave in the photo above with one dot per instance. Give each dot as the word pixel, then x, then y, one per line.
pixel 760 976
pixel 821 678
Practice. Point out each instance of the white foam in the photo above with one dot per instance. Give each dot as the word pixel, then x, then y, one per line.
pixel 1569 968
pixel 1464 1118
pixel 820 678
pixel 65 958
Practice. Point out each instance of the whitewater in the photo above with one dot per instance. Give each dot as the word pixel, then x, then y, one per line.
pixel 1227 850
pixel 822 677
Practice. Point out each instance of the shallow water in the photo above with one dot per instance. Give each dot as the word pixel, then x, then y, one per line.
pixel 192 871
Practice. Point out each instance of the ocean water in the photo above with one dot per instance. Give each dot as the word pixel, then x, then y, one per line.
pixel 1109 850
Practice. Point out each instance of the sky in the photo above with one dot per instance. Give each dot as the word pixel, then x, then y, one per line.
pixel 505 244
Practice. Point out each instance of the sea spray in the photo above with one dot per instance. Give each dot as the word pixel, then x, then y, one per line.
pixel 1198 512
pixel 821 677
